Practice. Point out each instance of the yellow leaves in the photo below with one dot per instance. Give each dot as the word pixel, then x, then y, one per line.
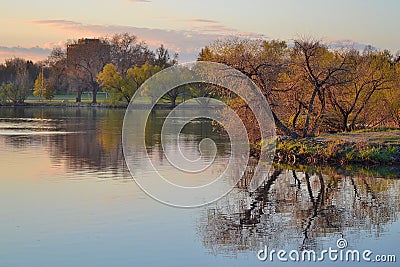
pixel 138 75
pixel 40 88
pixel 124 86
pixel 109 77
pixel 111 81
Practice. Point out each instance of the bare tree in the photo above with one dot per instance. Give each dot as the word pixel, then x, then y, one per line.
pixel 261 61
pixel 370 72
pixel 18 76
pixel 85 59
pixel 128 52
pixel 320 69
pixel 57 65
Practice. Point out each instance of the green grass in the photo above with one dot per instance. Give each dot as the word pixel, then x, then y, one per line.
pixel 86 97
pixel 379 154
pixel 379 136
pixel 340 151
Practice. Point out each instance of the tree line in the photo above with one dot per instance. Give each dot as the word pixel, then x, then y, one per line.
pixel 85 65
pixel 17 76
pixel 312 88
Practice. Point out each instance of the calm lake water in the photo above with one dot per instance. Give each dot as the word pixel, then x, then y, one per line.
pixel 67 199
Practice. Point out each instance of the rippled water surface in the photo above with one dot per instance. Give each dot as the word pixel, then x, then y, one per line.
pixel 67 199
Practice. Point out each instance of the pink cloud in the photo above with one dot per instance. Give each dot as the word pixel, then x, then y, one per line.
pixel 188 42
pixel 204 21
pixel 32 53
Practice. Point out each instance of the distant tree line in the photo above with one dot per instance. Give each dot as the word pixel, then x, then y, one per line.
pixel 85 65
pixel 312 88
pixel 17 77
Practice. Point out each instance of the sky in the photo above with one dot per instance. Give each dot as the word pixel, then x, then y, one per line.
pixel 30 29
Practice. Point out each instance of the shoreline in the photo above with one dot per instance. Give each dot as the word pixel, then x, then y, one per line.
pixel 63 104
pixel 337 150
pixel 159 106
pixel 79 105
pixel 372 147
pixel 391 171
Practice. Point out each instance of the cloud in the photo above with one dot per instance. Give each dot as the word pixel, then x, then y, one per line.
pixel 32 53
pixel 57 22
pixel 187 42
pixel 345 43
pixel 203 21
pixel 208 25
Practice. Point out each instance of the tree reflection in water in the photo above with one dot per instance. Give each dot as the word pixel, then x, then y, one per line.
pixel 291 209
pixel 298 209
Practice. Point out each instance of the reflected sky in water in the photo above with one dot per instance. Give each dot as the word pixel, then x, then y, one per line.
pixel 67 199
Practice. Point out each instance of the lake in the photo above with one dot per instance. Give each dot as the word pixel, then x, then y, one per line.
pixel 68 199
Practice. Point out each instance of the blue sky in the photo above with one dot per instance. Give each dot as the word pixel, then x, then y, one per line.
pixel 32 28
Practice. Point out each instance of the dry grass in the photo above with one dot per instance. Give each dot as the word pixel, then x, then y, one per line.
pixel 388 137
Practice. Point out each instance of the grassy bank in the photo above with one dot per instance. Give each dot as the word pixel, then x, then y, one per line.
pixel 365 147
pixel 65 104
pixel 102 102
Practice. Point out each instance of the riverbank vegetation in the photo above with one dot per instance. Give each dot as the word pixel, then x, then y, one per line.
pixel 372 148
pixel 331 106
pixel 313 89
pixel 320 97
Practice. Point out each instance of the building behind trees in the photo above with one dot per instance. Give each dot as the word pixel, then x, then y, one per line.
pixel 85 59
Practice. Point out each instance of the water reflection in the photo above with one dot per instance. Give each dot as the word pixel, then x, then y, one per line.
pixel 299 209
pixel 89 139
pixel 85 138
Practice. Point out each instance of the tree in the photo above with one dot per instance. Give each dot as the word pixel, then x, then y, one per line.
pixel 203 91
pixel 111 80
pixel 369 73
pixel 5 88
pixel 391 97
pixel 163 59
pixel 41 88
pixel 138 75
pixel 261 61
pixel 127 52
pixel 57 70
pixel 294 80
pixel 318 69
pixel 120 86
pixel 163 83
pixel 17 78
pixel 85 59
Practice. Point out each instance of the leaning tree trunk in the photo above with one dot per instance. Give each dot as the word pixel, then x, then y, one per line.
pixel 283 128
